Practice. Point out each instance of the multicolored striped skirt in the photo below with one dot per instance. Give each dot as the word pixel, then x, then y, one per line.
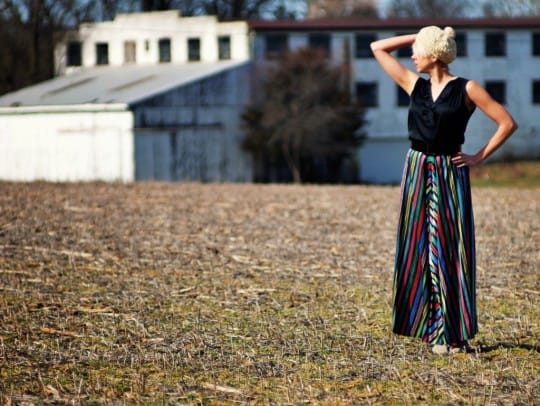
pixel 434 276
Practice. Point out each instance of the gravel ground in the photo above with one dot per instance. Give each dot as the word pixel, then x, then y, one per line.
pixel 349 227
pixel 73 252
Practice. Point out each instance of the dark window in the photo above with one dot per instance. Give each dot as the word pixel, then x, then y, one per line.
pixel 224 47
pixel 194 49
pixel 405 52
pixel 130 48
pixel 164 46
pixel 320 41
pixel 495 44
pixel 362 45
pixel 497 90
pixel 402 97
pixel 366 94
pixel 536 91
pixel 102 53
pixel 275 45
pixel 536 43
pixel 461 43
pixel 74 54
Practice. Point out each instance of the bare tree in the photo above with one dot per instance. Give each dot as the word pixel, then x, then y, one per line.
pixel 342 8
pixel 28 31
pixel 249 9
pixel 306 115
pixel 511 8
pixel 429 8
pixel 227 9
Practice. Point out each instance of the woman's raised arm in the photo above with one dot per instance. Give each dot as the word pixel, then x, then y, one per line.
pixel 400 74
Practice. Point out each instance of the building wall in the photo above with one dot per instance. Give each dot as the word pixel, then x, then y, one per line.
pixel 71 143
pixel 525 143
pixel 387 122
pixel 146 29
pixel 173 124
pixel 518 70
pixel 193 133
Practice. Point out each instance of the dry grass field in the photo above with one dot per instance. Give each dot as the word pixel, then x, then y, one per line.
pixel 247 294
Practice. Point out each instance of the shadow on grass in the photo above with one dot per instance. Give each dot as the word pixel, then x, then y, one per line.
pixel 482 348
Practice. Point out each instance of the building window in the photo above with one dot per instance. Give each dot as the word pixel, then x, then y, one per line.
pixel 194 49
pixel 102 53
pixel 224 47
pixel 495 44
pixel 461 43
pixel 402 97
pixel 536 91
pixel 405 52
pixel 164 46
pixel 74 54
pixel 366 94
pixel 362 45
pixel 320 41
pixel 497 90
pixel 536 43
pixel 130 48
pixel 275 45
pixel 147 45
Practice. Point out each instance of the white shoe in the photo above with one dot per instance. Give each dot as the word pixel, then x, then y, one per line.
pixel 439 349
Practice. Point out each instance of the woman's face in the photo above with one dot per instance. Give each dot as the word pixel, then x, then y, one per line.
pixel 423 63
pixel 421 58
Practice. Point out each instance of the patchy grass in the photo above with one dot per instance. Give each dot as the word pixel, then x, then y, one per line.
pixel 523 174
pixel 251 294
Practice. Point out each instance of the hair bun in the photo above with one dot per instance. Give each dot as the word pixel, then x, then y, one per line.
pixel 434 41
pixel 449 32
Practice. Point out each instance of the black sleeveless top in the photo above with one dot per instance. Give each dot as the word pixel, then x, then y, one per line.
pixel 440 123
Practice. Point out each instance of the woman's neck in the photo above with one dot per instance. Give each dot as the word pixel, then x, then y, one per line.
pixel 440 74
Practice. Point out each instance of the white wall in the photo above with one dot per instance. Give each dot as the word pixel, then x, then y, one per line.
pixel 146 29
pixel 381 160
pixel 69 143
pixel 517 69
pixel 387 123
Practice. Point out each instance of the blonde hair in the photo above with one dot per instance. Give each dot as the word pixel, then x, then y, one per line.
pixel 433 41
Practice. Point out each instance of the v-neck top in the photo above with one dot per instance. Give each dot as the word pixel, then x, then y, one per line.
pixel 441 122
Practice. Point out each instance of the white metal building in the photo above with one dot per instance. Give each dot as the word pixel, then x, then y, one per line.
pixel 148 96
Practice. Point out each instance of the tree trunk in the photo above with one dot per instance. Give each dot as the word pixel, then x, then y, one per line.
pixel 294 167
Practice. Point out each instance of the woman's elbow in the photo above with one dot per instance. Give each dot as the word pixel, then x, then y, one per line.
pixel 374 46
pixel 513 125
pixel 510 125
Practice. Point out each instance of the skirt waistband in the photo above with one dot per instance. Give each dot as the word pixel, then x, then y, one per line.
pixel 427 149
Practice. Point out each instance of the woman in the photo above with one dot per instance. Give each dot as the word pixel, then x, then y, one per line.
pixel 434 276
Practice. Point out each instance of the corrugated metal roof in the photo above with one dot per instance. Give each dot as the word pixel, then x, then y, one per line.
pixel 110 84
pixel 353 23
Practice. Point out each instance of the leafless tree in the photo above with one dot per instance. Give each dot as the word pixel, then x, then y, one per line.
pixel 342 8
pixel 511 8
pixel 429 8
pixel 306 115
pixel 227 9
pixel 28 31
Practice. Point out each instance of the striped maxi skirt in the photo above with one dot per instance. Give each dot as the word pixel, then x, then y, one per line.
pixel 434 275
